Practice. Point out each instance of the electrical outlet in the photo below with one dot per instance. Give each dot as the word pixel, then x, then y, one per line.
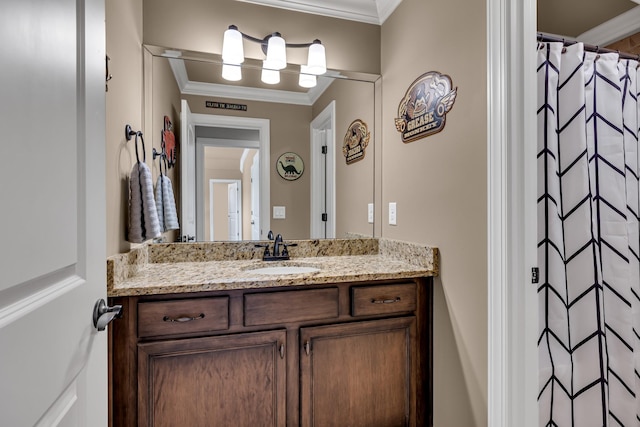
pixel 370 213
pixel 392 213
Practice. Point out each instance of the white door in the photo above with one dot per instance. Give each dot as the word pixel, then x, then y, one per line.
pixel 53 363
pixel 323 166
pixel 255 197
pixel 188 174
pixel 233 200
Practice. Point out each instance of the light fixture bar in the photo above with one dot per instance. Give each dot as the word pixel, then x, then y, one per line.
pixel 274 47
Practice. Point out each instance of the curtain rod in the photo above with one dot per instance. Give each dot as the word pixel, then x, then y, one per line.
pixel 542 37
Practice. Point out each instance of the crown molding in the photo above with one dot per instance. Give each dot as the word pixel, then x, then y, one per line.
pixel 188 87
pixel 386 8
pixel 370 12
pixel 614 29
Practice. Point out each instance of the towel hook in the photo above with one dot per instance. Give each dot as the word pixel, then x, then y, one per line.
pixel 157 153
pixel 128 132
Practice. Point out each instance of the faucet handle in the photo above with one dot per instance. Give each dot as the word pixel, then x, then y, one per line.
pixel 266 248
pixel 270 235
pixel 285 251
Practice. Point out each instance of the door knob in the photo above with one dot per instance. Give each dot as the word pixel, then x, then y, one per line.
pixel 103 314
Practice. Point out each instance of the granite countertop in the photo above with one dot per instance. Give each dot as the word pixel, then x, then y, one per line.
pixel 183 267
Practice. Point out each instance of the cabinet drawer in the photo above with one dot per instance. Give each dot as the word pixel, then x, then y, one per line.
pixel 290 306
pixel 383 299
pixel 183 316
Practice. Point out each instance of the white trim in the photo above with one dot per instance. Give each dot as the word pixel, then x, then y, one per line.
pixel 211 214
pixel 60 408
pixel 386 8
pixel 614 29
pixel 57 284
pixel 243 159
pixel 338 9
pixel 512 300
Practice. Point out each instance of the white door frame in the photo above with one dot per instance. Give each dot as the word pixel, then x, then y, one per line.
pixel 512 223
pixel 263 128
pixel 323 123
pixel 255 201
pixel 187 173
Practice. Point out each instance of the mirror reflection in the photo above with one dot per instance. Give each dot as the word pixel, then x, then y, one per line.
pixel 233 137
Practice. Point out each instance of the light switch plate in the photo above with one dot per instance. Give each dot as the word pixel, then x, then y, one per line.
pixel 392 213
pixel 370 213
pixel 279 212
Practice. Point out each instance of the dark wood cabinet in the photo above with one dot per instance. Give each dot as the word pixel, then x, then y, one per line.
pixel 229 380
pixel 347 354
pixel 359 374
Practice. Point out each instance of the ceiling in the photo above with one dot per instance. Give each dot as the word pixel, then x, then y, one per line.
pixel 575 17
pixel 369 11
pixel 593 21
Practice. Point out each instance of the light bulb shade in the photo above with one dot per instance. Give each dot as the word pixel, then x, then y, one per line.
pixel 232 48
pixel 316 62
pixel 306 79
pixel 231 72
pixel 269 76
pixel 276 53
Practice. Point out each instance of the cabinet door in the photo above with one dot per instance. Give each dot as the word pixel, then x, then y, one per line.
pixel 231 380
pixel 359 374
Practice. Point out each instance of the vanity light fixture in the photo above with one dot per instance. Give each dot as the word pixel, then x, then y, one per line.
pixel 231 72
pixel 269 75
pixel 275 49
pixel 306 79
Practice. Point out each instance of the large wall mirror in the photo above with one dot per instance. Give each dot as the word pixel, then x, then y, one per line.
pixel 254 157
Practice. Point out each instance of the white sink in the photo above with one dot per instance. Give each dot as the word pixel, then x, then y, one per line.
pixel 284 269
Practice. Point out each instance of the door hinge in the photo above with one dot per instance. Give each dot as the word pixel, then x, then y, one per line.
pixel 324 217
pixel 324 149
pixel 535 275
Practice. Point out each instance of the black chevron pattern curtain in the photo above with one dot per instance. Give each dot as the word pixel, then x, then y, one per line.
pixel 588 238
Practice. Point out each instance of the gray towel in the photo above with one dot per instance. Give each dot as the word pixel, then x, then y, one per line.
pixel 166 204
pixel 143 215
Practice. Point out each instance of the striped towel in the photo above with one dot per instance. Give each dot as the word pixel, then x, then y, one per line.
pixel 166 204
pixel 143 215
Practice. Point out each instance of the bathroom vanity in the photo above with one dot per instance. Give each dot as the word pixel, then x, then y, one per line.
pixel 335 337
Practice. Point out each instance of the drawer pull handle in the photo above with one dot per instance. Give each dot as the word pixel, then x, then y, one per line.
pixel 182 319
pixel 385 301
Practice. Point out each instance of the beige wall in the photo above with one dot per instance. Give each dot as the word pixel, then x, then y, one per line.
pixel 124 106
pixel 439 185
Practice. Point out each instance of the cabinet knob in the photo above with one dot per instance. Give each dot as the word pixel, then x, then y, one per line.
pixel 307 347
pixel 281 351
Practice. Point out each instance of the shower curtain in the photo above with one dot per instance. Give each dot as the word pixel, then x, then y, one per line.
pixel 588 239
